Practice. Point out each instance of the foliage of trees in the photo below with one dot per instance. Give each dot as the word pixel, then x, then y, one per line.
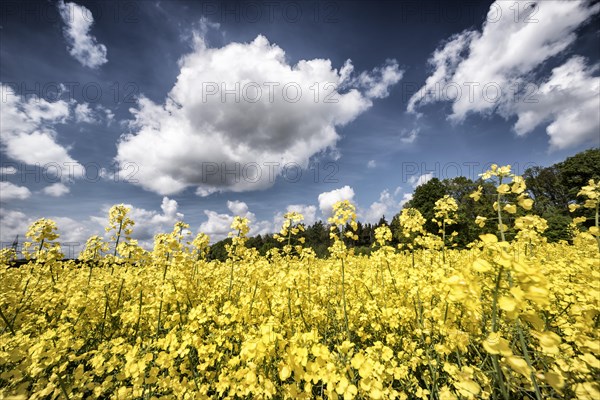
pixel 553 188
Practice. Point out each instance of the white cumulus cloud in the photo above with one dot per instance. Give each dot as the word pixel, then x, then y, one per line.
pixel 82 45
pixel 328 199
pixel 238 208
pixel 7 170
pixel 570 101
pixel 308 211
pixel 83 113
pixel 418 180
pixel 73 233
pixel 56 189
pixel 496 69
pixel 387 206
pixel 240 113
pixel 147 222
pixel 405 199
pixel 10 191
pixel 13 223
pixel 28 130
pixel 377 82
pixel 217 226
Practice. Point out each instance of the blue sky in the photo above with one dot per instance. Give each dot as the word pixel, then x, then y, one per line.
pixel 206 110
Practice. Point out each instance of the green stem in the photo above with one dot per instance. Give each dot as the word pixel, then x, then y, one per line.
pixel 89 276
pixel 159 315
pixel 382 280
pixel 308 269
pixel 500 376
pixel 391 275
pixel 61 384
pixel 231 273
pixel 306 325
pixel 7 322
pixel 52 274
pixel 538 395
pixel 104 316
pixel 444 241
pixel 598 224
pixel 289 294
pixel 495 299
pixel 432 371
pixel 119 295
pixel 118 238
pixel 230 281
pixel 344 301
pixel 161 296
pixel 499 205
pixel 166 266
pixel 289 304
pixel 495 363
pixel 137 325
pixel 252 301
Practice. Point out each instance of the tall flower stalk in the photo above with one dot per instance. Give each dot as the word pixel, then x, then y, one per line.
pixel 513 190
pixel 237 249
pixel 344 214
pixel 445 214
pixel 592 194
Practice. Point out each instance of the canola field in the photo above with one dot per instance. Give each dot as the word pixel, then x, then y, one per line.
pixel 498 320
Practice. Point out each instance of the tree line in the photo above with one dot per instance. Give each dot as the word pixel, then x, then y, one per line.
pixel 552 188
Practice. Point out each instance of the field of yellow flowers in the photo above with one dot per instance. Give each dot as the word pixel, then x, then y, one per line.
pixel 499 320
